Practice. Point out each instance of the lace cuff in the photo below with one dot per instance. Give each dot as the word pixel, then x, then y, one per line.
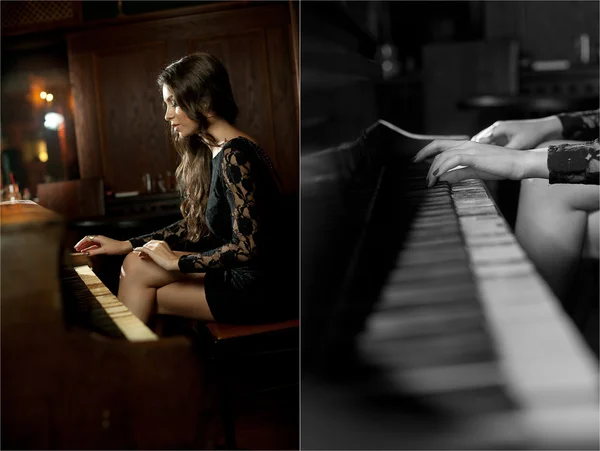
pixel 581 125
pixel 574 163
pixel 173 235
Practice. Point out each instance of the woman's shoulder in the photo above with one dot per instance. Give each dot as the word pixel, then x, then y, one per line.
pixel 240 147
pixel 242 143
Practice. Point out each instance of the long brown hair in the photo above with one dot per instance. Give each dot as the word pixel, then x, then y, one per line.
pixel 200 83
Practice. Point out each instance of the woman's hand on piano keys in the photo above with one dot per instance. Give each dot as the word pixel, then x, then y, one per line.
pixel 161 253
pixel 101 245
pixel 521 134
pixel 460 160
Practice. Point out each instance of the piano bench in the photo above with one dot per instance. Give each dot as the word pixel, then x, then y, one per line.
pixel 235 351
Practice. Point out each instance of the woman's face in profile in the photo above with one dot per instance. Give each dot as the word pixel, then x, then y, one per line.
pixel 180 122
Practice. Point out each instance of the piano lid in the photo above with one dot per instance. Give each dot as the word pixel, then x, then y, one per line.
pixel 18 215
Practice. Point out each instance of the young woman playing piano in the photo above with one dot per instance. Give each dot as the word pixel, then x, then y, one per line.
pixel 220 262
pixel 555 220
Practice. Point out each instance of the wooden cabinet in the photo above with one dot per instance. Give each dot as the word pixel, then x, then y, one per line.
pixel 119 116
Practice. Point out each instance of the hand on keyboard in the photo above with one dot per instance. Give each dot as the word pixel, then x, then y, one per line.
pixel 99 244
pixel 523 134
pixel 481 161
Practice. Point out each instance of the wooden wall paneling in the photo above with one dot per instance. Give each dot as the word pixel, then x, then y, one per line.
pixel 295 38
pixel 245 57
pixel 87 130
pixel 262 91
pixel 200 26
pixel 250 77
pixel 283 105
pixel 134 139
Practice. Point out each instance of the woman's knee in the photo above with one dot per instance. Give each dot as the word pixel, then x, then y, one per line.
pixel 539 194
pixel 142 270
pixel 131 265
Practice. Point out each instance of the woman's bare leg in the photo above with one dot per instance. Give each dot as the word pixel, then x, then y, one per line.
pixel 141 279
pixel 553 226
pixel 184 298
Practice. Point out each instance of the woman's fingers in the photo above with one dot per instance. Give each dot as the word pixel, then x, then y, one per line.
pixel 446 163
pixel 89 248
pixel 484 136
pixel 435 147
pixel 495 134
pixel 488 166
pixel 97 251
pixel 84 242
pixel 464 174
pixel 444 156
pixel 87 241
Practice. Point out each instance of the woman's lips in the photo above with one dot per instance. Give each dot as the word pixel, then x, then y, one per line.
pixel 175 127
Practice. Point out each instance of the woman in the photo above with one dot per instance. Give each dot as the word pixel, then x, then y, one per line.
pixel 557 222
pixel 219 262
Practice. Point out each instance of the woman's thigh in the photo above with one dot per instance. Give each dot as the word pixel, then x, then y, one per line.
pixel 592 243
pixel 553 225
pixel 145 271
pixel 184 298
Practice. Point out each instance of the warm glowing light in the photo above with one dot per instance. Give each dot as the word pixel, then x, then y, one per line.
pixel 49 97
pixel 43 94
pixel 42 150
pixel 53 120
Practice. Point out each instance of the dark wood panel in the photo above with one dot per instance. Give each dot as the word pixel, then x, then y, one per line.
pixel 283 105
pixel 122 117
pixel 134 138
pixel 245 57
pixel 219 23
pixel 86 125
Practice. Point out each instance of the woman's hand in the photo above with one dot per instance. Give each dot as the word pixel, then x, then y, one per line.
pixel 460 160
pixel 99 245
pixel 161 253
pixel 524 134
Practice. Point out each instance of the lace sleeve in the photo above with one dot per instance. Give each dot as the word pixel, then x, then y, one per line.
pixel 574 163
pixel 173 235
pixel 582 125
pixel 241 188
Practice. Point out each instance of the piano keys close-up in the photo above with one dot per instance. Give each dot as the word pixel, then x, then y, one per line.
pixel 300 225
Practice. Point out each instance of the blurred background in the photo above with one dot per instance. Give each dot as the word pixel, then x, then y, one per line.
pixel 452 67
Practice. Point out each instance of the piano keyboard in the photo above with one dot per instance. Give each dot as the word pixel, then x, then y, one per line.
pixel 90 304
pixel 465 321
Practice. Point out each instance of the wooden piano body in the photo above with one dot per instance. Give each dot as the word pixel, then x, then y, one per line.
pixel 64 387
pixel 429 326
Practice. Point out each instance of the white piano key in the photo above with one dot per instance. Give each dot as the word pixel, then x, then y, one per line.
pixel 131 326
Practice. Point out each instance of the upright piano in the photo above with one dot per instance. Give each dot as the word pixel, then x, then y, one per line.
pixel 79 371
pixel 424 323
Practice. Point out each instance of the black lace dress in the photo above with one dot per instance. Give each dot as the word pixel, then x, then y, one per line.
pixel 244 257
pixel 576 163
